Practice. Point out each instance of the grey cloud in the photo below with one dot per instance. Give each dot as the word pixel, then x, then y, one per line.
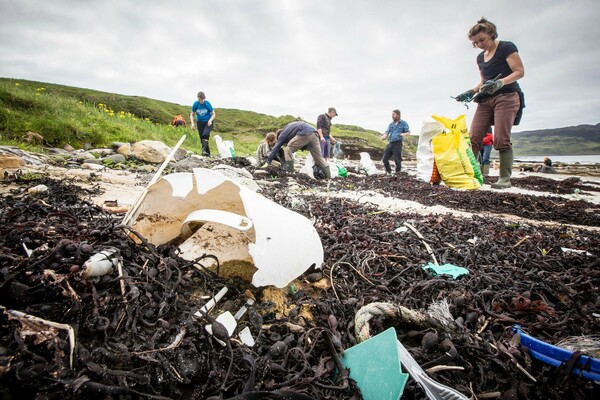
pixel 299 57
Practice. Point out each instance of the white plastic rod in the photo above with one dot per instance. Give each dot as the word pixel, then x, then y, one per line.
pixel 130 214
pixel 211 303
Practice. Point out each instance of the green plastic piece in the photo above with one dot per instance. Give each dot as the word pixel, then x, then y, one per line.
pixel 375 366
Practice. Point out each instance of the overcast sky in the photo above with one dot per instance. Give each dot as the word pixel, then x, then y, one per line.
pixel 300 57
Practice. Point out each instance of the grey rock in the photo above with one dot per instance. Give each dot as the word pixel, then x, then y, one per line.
pixel 118 158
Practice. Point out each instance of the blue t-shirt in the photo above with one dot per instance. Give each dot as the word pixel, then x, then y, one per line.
pixel 203 111
pixel 394 131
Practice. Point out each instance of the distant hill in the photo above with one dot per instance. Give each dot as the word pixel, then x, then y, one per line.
pixel 570 140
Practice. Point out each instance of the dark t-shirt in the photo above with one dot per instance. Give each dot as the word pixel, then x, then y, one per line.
pixel 499 65
pixel 324 123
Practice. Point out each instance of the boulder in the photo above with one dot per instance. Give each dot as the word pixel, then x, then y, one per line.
pixel 180 154
pixel 150 151
pixel 124 150
pixel 189 163
pixel 10 162
pixel 116 145
pixel 117 158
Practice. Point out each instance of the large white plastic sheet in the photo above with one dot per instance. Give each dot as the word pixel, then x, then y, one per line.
pixel 245 225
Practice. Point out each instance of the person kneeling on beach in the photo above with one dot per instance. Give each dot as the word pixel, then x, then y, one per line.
pixel 547 167
pixel 265 147
pixel 298 135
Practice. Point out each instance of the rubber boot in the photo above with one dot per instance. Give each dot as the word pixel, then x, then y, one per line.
pixel 506 162
pixel 326 171
pixel 289 166
pixel 485 170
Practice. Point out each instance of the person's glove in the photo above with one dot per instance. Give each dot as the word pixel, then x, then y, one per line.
pixel 265 165
pixel 465 96
pixel 490 87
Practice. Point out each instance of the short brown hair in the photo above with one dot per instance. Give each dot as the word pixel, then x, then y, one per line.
pixel 396 111
pixel 483 25
pixel 271 137
pixel 201 95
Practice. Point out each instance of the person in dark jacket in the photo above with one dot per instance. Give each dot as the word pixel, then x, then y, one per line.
pixel 324 130
pixel 498 94
pixel 547 167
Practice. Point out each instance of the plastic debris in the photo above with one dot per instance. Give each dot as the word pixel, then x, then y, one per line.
pixel 556 356
pixel 102 263
pixel 212 214
pixel 375 366
pixel 211 303
pixel 246 337
pixel 446 269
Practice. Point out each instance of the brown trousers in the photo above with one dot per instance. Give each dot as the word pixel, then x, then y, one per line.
pixel 310 142
pixel 499 111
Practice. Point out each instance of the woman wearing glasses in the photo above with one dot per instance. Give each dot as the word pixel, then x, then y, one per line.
pixel 499 96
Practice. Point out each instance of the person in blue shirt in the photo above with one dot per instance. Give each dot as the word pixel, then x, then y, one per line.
pixel 205 115
pixel 394 134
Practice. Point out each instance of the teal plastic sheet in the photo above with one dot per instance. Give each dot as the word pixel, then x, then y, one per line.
pixel 446 269
pixel 375 366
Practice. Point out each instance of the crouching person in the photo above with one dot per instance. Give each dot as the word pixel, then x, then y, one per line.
pixel 299 135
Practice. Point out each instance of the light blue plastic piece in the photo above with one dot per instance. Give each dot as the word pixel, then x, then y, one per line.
pixel 375 366
pixel 446 269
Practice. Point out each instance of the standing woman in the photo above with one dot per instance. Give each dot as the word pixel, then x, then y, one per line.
pixel 499 96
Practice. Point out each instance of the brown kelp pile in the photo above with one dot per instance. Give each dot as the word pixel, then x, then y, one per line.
pixel 134 332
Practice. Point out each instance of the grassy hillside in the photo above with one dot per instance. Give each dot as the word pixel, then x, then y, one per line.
pixel 75 116
pixel 571 140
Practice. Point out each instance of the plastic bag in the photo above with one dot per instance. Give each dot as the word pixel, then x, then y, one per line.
pixel 367 165
pixel 225 147
pixel 453 155
pixel 311 169
pixel 337 150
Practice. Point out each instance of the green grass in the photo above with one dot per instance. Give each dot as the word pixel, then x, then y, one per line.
pixel 67 115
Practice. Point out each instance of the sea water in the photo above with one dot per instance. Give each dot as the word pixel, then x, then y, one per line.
pixel 586 159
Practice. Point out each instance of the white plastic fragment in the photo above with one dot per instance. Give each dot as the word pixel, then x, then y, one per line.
pixel 101 263
pixel 228 322
pixel 567 250
pixel 27 251
pixel 243 310
pixel 246 337
pixel 37 189
pixel 211 303
pixel 235 224
pixel 223 217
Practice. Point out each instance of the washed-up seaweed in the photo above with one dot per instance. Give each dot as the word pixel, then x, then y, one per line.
pixel 137 335
pixel 541 208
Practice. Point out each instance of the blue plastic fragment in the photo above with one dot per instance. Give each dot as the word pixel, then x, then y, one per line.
pixel 585 366
pixel 446 269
